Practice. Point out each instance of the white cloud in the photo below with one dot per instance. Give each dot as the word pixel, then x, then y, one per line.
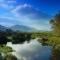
pixel 6 17
pixel 7 4
pixel 18 15
pixel 26 20
pixel 11 1
pixel 3 5
pixel 1 0
pixel 20 7
pixel 26 5
pixel 10 19
pixel 6 24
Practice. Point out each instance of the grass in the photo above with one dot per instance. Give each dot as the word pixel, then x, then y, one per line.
pixel 5 49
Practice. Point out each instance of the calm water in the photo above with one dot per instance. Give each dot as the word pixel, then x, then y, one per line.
pixel 30 51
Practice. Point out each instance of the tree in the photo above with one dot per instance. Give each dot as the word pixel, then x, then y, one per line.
pixel 55 22
pixel 3 38
pixel 21 38
pixel 55 40
pixel 55 55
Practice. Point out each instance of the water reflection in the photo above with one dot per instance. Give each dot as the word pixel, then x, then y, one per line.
pixel 30 51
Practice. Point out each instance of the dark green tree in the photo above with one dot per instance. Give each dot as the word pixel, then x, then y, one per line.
pixel 3 38
pixel 55 22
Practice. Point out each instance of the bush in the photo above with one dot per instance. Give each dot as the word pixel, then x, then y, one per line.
pixel 10 57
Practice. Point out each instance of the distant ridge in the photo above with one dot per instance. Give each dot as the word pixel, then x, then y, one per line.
pixel 20 28
pixel 23 28
pixel 3 28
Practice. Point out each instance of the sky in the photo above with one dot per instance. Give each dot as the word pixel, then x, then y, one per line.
pixel 32 13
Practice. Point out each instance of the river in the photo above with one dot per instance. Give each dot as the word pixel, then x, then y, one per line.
pixel 31 51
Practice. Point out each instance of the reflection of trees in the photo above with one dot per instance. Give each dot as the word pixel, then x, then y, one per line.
pixel 55 55
pixel 14 37
pixel 20 38
pixel 10 57
pixel 1 58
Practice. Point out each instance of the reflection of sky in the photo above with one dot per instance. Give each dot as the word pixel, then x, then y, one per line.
pixel 32 13
pixel 31 51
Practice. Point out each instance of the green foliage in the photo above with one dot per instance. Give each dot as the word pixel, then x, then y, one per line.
pixel 10 57
pixel 21 37
pixel 55 22
pixel 55 54
pixel 5 49
pixel 54 41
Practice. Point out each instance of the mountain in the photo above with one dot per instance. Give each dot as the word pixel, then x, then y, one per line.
pixel 23 28
pixel 20 28
pixel 3 28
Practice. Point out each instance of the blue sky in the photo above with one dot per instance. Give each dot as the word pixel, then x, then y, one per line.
pixel 32 13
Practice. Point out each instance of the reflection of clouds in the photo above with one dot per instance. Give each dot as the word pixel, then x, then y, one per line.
pixel 37 55
pixel 31 51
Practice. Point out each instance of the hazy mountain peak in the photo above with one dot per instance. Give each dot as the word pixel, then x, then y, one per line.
pixel 23 28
